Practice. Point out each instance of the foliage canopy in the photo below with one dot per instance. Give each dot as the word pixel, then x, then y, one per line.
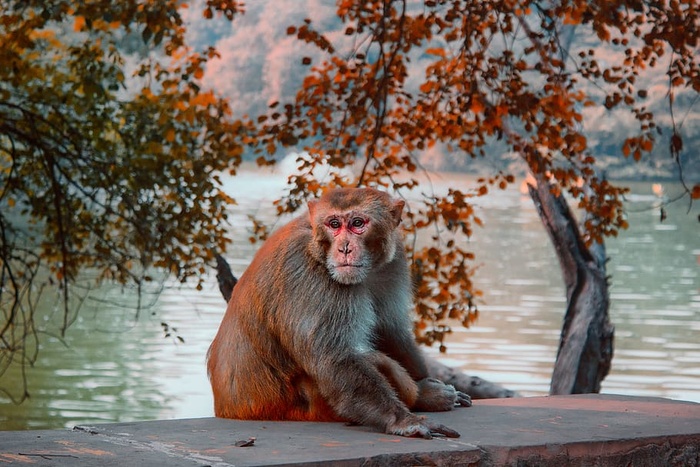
pixel 494 71
pixel 109 150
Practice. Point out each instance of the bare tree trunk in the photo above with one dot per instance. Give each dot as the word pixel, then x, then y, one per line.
pixel 474 386
pixel 586 343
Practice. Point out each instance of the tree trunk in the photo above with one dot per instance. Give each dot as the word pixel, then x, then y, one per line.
pixel 474 386
pixel 586 343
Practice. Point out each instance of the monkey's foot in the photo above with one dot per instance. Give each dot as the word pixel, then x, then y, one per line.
pixel 436 396
pixel 463 400
pixel 419 427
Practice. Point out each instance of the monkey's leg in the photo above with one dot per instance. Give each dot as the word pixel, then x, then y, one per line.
pixel 365 396
pixel 308 403
pixel 398 377
pixel 427 395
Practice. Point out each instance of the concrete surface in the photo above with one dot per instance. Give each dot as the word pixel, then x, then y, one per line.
pixel 587 430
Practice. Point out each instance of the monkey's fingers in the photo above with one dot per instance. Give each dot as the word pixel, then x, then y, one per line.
pixel 463 399
pixel 436 429
pixel 415 428
pixel 422 428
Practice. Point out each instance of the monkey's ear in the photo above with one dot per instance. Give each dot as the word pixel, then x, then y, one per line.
pixel 396 210
pixel 312 209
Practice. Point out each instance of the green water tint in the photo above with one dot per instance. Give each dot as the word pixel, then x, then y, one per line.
pixel 118 368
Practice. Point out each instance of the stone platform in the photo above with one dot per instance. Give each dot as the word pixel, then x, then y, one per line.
pixel 587 430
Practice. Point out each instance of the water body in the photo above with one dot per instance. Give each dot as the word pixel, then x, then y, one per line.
pixel 114 366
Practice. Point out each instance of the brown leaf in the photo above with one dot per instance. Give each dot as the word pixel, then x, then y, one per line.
pixel 245 443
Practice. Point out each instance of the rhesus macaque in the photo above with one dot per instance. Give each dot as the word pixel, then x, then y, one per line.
pixel 318 326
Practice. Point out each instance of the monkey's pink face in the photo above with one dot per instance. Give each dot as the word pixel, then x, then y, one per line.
pixel 349 260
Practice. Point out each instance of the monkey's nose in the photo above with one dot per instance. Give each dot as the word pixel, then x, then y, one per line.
pixel 345 249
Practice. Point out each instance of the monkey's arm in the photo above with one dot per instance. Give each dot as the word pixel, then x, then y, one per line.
pixel 359 393
pixel 332 347
pixel 433 394
pixel 392 301
pixel 394 337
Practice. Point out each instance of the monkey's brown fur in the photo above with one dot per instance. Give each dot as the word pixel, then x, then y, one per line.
pixel 318 326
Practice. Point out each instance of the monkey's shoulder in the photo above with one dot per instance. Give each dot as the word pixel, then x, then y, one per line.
pixel 290 240
pixel 283 255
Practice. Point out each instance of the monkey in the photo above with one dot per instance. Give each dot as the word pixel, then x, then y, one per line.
pixel 318 327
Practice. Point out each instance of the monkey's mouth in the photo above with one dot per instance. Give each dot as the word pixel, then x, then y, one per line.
pixel 348 273
pixel 348 267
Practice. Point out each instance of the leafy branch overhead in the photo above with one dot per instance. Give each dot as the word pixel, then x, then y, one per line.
pixel 109 152
pixel 496 73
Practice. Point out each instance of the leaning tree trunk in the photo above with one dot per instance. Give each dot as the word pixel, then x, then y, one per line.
pixel 586 343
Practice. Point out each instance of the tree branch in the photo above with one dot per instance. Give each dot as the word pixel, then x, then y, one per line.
pixel 586 343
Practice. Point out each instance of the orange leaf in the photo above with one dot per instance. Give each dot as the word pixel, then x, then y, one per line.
pixel 573 17
pixel 626 148
pixel 428 86
pixel 204 99
pixel 439 51
pixel 695 193
pixel 477 107
pixel 79 23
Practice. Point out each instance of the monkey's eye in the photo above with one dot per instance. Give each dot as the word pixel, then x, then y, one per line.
pixel 358 223
pixel 334 224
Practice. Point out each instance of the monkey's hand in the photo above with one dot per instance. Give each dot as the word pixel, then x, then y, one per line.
pixel 436 396
pixel 415 426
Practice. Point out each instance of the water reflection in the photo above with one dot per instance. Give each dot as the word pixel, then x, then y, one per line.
pixel 117 368
pixel 655 302
pixel 100 372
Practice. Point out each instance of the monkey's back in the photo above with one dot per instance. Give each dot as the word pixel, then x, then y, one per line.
pixel 254 377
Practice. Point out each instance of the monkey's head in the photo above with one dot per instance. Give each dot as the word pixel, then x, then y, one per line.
pixel 354 231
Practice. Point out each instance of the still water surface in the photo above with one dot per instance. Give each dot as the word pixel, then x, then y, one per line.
pixel 116 367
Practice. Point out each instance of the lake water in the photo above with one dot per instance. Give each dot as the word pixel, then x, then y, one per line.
pixel 113 366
